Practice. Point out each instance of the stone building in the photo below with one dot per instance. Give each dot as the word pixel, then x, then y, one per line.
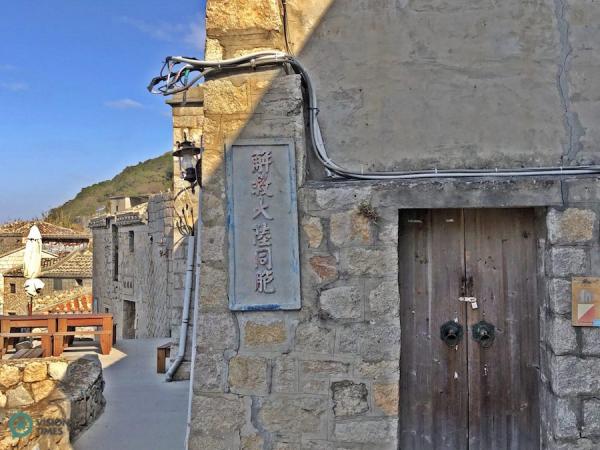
pixel 132 260
pixel 387 268
pixel 56 242
pixel 55 239
pixel 64 278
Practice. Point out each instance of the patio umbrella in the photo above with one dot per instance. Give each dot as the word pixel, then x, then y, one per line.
pixel 32 264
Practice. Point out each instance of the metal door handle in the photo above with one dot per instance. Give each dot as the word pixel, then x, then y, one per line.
pixel 484 333
pixel 451 333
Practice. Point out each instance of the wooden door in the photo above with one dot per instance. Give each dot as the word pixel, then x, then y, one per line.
pixel 467 396
pixel 128 319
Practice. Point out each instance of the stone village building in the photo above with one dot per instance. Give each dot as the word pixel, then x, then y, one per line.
pixel 56 242
pixel 65 279
pixel 132 260
pixel 359 363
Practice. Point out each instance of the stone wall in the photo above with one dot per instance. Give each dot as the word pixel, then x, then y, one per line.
pixel 144 273
pixel 62 397
pixel 572 358
pixel 326 377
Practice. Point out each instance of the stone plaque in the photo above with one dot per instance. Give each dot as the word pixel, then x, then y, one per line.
pixel 264 267
pixel 586 301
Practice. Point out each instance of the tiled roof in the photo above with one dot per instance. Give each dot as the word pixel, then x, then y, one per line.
pixel 75 265
pixel 21 228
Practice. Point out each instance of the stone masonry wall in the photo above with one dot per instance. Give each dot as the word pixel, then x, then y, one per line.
pixel 62 397
pixel 571 365
pixel 144 274
pixel 326 377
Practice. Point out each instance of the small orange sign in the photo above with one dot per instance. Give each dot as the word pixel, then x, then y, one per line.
pixel 586 301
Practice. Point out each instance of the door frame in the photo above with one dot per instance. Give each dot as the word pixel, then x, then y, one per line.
pixel 540 228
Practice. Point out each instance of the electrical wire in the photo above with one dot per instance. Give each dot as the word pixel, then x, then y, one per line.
pixel 173 82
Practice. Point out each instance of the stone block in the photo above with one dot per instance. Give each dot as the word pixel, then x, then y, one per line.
pixel 263 334
pixel 57 369
pixel 3 400
pixel 315 386
pixel 374 342
pixel 248 17
pixel 369 431
pixel 349 398
pixel 570 375
pixel 590 341
pixel 564 419
pixel 571 226
pixel 324 368
pixel 324 268
pixel 214 287
pixel 218 331
pixel 344 302
pixel 35 371
pixel 559 292
pixel 567 261
pixel 561 336
pixel 18 396
pixel 379 370
pixel 358 261
pixel 221 415
pixel 9 375
pixel 290 416
pixel 285 375
pixel 248 375
pixel 384 300
pixel 579 444
pixel 350 227
pixel 386 397
pixel 213 239
pixel 591 418
pixel 313 230
pixel 313 338
pixel 209 372
pixel 42 389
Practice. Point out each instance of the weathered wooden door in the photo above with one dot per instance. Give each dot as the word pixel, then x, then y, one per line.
pixel 474 394
pixel 128 319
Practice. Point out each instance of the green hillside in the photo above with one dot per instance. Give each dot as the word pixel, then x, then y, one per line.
pixel 148 177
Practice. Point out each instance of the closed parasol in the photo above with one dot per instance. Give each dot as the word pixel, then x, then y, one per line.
pixel 32 264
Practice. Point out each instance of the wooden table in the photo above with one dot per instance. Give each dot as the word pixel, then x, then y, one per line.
pixel 65 321
pixel 7 323
pixel 58 325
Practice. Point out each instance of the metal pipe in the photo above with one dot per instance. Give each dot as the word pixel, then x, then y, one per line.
pixel 195 316
pixel 185 316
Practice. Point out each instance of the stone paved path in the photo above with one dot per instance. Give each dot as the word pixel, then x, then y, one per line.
pixel 142 412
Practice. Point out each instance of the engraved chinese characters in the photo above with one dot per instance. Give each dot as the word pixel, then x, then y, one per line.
pixel 262 226
pixel 261 165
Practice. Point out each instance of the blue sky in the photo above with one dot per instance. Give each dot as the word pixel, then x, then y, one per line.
pixel 74 109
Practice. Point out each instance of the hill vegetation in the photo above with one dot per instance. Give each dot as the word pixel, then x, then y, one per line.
pixel 148 177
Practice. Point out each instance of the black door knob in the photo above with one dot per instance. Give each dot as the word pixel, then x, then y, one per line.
pixel 484 333
pixel 451 333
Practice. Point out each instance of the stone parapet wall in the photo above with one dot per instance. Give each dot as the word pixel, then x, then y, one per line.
pixel 62 397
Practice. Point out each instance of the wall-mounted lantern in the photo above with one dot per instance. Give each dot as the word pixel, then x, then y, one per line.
pixel 190 157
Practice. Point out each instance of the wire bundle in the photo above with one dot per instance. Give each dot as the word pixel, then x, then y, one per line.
pixel 179 73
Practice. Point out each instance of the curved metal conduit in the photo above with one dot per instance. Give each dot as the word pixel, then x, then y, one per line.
pixel 178 81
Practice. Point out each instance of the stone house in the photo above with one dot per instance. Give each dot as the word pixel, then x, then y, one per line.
pixel 55 239
pixel 66 277
pixel 132 251
pixel 434 310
